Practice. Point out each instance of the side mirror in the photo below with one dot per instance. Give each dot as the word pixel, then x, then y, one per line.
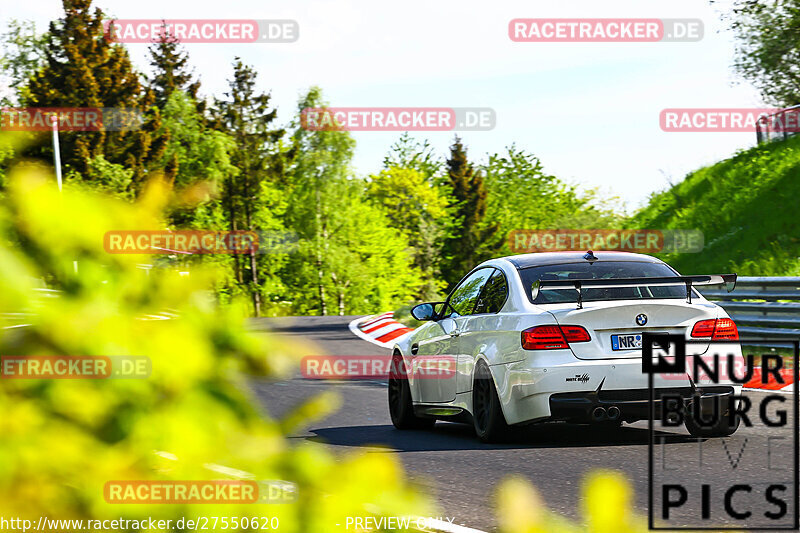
pixel 424 312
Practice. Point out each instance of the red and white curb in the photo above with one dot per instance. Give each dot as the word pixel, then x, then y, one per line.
pixel 756 384
pixel 381 329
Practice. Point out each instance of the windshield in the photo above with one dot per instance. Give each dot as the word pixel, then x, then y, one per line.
pixel 600 270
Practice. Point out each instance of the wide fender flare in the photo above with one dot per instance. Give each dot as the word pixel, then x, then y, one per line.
pixel 412 382
pixel 499 378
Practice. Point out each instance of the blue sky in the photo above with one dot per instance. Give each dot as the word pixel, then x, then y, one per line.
pixel 589 111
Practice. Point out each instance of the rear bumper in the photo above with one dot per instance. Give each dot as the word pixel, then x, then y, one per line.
pixel 632 404
pixel 576 386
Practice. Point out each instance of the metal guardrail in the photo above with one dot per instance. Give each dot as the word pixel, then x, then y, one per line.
pixel 762 307
pixel 778 126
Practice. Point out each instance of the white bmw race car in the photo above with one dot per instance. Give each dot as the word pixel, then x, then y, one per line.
pixel 558 337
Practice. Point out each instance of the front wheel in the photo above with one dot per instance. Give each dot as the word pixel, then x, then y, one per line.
pixel 401 409
pixel 487 415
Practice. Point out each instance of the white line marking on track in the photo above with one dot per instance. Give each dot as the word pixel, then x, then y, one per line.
pixel 444 526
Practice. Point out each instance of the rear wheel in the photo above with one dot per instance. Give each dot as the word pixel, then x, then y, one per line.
pixel 487 415
pixel 401 409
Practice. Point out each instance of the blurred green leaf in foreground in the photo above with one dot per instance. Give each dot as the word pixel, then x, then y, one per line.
pixel 63 439
pixel 606 499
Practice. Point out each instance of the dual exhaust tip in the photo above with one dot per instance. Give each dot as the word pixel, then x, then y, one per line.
pixel 600 414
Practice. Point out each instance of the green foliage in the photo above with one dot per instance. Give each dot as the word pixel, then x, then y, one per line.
pixel 201 153
pixel 745 208
pixel 415 155
pixel 419 209
pixel 475 238
pixel 171 71
pixel 64 439
pixel 23 53
pixel 768 52
pixel 105 176
pixel 84 69
pixel 523 196
pixel 348 255
pixel 606 497
pixel 247 115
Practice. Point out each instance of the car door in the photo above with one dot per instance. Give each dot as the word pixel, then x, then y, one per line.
pixel 482 330
pixel 443 351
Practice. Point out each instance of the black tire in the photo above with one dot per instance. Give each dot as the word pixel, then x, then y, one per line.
pixel 487 414
pixel 401 409
pixel 722 427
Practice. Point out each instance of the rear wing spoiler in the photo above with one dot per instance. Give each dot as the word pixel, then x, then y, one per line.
pixel 729 280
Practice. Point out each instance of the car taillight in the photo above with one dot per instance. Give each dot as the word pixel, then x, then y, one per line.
pixel 704 328
pixel 553 337
pixel 726 330
pixel 575 334
pixel 719 329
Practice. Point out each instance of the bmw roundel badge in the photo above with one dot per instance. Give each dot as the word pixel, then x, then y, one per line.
pixel 641 319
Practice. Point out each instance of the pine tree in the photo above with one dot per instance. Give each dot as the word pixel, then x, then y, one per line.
pixel 247 116
pixel 84 69
pixel 171 70
pixel 171 73
pixel 474 239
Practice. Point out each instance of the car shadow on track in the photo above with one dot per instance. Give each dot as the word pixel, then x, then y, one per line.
pixel 450 436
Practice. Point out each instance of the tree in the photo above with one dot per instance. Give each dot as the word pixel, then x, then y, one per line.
pixel 410 153
pixel 171 71
pixel 83 69
pixel 475 239
pixel 523 196
pixel 420 210
pixel 195 153
pixel 202 153
pixel 347 246
pixel 367 263
pixel 768 51
pixel 247 116
pixel 23 54
pixel 318 175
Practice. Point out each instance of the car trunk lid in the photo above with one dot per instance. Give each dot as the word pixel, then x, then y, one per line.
pixel 604 319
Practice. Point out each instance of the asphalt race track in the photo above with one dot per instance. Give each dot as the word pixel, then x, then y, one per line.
pixel 458 470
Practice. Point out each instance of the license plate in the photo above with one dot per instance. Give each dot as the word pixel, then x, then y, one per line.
pixel 626 342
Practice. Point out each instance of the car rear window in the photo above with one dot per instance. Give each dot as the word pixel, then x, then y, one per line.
pixel 600 270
